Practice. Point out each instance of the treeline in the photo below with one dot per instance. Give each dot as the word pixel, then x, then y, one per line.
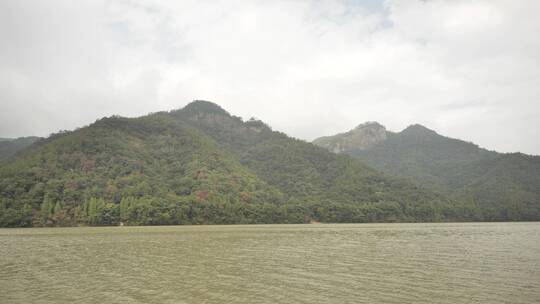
pixel 158 211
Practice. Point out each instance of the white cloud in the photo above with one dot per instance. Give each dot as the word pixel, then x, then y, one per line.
pixel 469 69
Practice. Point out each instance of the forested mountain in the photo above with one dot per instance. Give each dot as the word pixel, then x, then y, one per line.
pixel 198 165
pixel 10 146
pixel 504 186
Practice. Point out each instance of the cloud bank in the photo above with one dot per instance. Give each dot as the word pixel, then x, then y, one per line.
pixel 468 69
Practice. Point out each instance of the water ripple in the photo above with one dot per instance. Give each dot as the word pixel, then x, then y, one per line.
pixel 379 263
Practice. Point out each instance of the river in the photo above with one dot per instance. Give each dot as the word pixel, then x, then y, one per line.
pixel 318 263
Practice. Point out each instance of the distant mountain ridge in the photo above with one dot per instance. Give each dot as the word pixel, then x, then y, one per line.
pixel 10 146
pixel 505 185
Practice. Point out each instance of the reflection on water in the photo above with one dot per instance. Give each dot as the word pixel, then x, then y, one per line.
pixel 375 263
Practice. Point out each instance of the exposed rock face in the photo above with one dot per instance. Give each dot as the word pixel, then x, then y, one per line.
pixel 360 138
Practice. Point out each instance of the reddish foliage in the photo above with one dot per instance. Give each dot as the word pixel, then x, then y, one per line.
pixel 245 196
pixel 202 195
pixel 88 165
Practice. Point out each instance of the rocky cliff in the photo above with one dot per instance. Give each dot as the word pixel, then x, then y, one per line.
pixel 362 137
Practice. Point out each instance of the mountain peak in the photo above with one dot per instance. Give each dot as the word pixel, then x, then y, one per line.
pixel 418 128
pixel 204 106
pixel 369 125
pixel 362 137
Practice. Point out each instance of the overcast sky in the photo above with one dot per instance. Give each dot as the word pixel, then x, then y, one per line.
pixel 467 69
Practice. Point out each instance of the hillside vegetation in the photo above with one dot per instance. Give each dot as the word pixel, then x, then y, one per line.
pixel 201 165
pixel 503 186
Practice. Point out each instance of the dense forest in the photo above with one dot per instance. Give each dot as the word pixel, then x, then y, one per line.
pixel 503 186
pixel 201 165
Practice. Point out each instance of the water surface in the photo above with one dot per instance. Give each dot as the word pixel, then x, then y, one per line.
pixel 364 263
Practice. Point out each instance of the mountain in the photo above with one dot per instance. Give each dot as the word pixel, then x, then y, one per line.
pixel 359 138
pixel 10 146
pixel 503 186
pixel 200 164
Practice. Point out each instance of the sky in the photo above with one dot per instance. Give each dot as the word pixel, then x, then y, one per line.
pixel 467 69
